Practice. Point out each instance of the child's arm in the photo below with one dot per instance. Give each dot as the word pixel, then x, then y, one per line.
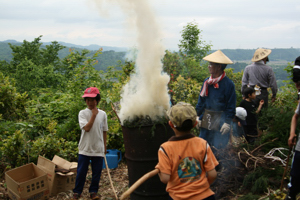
pixel 89 125
pixel 164 177
pixel 291 141
pixel 261 103
pixel 211 176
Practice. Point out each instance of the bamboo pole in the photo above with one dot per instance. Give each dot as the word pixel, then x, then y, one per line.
pixel 110 178
pixel 138 183
pixel 112 106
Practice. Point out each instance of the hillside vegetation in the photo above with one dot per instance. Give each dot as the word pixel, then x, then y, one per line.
pixel 112 56
pixel 40 99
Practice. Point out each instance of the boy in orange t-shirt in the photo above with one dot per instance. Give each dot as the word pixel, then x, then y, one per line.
pixel 186 162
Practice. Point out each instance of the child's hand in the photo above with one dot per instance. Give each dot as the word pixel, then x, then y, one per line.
pixel 261 102
pixel 239 124
pixel 95 110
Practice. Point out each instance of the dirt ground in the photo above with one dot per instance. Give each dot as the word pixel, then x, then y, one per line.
pixel 119 178
pixel 120 181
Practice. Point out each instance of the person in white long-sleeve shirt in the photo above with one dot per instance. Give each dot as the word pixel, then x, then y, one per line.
pixel 92 144
pixel 261 75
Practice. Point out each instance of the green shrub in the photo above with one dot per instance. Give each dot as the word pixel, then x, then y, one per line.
pixel 186 90
pixel 50 145
pixel 69 151
pixel 260 185
pixel 12 103
pixel 15 149
pixel 115 136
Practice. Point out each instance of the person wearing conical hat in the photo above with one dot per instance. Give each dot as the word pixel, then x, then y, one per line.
pixel 260 76
pixel 216 102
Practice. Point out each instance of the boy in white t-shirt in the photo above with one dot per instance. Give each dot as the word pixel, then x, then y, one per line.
pixel 92 144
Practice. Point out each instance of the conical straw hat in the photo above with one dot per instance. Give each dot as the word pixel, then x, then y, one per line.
pixel 218 57
pixel 260 54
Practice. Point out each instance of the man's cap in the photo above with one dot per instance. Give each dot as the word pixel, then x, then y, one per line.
pixel 241 113
pixel 218 57
pixel 91 92
pixel 260 54
pixel 181 112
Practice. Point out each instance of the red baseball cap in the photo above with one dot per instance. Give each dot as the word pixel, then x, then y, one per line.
pixel 91 92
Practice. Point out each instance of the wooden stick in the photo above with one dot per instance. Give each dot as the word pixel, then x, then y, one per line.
pixel 110 178
pixel 263 145
pixel 112 106
pixel 287 163
pixel 138 183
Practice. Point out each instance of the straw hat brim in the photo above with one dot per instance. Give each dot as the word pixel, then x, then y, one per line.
pixel 218 57
pixel 260 54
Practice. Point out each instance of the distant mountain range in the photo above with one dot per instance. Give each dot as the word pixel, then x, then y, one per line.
pixel 92 47
pixel 237 55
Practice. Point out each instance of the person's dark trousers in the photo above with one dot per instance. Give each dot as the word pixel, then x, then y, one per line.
pixel 294 185
pixel 214 138
pixel 82 169
pixel 264 95
pixel 251 133
pixel 212 197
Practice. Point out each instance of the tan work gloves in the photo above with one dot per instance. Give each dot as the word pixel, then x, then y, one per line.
pixel 198 123
pixel 225 128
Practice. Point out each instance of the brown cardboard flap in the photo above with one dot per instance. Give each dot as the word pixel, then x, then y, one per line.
pixel 73 168
pixel 61 163
pixel 62 174
pixel 44 163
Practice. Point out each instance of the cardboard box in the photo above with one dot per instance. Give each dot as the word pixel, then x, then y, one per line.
pixel 27 182
pixel 58 181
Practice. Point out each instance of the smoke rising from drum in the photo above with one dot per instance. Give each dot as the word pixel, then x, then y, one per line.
pixel 146 93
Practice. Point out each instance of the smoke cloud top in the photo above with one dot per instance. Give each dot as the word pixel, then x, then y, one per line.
pixel 146 94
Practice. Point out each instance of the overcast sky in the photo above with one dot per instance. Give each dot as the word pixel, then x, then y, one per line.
pixel 229 24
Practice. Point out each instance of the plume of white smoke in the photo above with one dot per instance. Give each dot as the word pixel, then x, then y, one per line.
pixel 131 54
pixel 146 94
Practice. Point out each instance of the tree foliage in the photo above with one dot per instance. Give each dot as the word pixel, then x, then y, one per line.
pixel 33 67
pixel 191 43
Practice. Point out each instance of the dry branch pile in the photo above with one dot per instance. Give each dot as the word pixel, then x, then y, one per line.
pixel 230 171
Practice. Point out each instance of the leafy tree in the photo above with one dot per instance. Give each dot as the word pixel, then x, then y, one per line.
pixel 33 67
pixel 191 43
pixel 194 70
pixel 33 51
pixel 191 51
pixel 172 63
